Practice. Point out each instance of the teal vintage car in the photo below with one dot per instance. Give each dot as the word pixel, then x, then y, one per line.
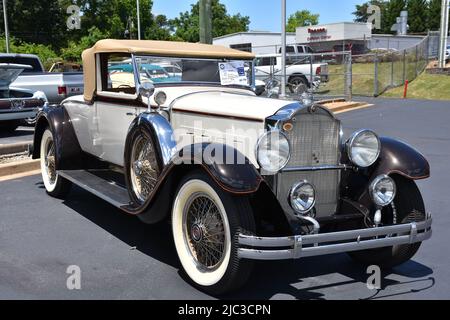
pixel 155 73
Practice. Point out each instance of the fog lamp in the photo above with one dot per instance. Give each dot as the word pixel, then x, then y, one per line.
pixel 302 197
pixel 382 190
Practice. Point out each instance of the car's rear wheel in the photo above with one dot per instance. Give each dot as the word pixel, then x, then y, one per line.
pixel 55 185
pixel 206 222
pixel 408 207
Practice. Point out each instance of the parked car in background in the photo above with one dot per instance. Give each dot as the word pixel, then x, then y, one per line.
pixel 294 49
pixel 239 177
pixel 298 75
pixel 172 69
pixel 17 104
pixel 56 85
pixel 154 73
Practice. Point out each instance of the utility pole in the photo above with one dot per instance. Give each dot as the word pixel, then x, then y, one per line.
pixel 205 21
pixel 138 19
pixel 5 17
pixel 283 48
pixel 444 33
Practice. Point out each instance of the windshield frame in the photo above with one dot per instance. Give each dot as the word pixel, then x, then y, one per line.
pixel 137 77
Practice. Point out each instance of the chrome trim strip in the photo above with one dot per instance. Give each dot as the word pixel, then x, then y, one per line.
pixel 321 244
pixel 318 168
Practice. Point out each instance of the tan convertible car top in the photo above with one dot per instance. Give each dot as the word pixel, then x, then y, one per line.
pixel 160 48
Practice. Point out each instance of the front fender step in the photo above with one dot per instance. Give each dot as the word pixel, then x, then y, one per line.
pixel 107 190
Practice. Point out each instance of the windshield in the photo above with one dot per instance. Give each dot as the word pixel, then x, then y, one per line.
pixel 160 70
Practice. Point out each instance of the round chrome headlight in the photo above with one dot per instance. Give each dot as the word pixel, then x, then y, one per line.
pixel 363 148
pixel 382 190
pixel 302 197
pixel 273 151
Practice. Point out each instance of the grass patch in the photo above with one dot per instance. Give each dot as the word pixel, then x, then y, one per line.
pixel 363 78
pixel 426 86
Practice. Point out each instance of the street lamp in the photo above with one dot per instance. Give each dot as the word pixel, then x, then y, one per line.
pixel 5 17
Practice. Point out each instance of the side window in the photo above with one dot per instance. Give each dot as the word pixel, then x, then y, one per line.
pixel 264 61
pixel 300 49
pixel 117 73
pixel 290 49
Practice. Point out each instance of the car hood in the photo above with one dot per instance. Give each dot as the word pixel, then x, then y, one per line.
pixel 229 104
pixel 9 73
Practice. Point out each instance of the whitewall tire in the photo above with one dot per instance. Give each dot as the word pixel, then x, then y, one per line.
pixel 206 222
pixel 55 185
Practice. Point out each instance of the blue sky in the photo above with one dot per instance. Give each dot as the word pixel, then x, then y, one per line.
pixel 266 14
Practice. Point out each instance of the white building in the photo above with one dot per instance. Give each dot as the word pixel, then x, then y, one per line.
pixel 259 42
pixel 335 36
pixel 322 38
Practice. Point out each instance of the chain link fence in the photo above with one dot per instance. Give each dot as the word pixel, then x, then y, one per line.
pixel 381 69
pixel 343 74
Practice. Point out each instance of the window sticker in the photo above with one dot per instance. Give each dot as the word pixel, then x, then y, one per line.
pixel 232 72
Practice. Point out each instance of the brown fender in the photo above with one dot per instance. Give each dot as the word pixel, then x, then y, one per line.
pixel 68 150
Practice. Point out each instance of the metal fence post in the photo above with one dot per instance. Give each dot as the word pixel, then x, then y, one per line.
pixel 392 70
pixel 348 76
pixel 417 61
pixel 375 83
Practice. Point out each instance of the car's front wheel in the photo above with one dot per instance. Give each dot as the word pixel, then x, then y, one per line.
pixel 55 185
pixel 206 222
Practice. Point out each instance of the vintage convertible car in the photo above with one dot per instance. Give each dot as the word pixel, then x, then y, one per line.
pixel 16 104
pixel 240 177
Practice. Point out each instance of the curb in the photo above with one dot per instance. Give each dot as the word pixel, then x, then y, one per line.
pixel 19 167
pixel 14 148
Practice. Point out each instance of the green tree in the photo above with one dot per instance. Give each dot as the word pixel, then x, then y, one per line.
pixel 160 29
pixel 301 18
pixel 393 9
pixel 417 15
pixel 186 26
pixel 36 21
pixel 75 48
pixel 434 15
pixel 361 14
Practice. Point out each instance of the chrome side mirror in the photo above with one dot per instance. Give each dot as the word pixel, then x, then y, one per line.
pixel 146 90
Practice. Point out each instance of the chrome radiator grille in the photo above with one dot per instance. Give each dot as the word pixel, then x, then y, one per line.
pixel 314 142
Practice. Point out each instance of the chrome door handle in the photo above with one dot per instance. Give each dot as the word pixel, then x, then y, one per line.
pixel 131 114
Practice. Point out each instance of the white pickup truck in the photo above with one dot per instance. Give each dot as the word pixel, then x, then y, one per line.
pixel 57 86
pixel 297 74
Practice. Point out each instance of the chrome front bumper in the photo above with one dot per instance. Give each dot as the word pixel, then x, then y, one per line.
pixel 295 247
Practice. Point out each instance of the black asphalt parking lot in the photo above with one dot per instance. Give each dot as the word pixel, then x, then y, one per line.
pixel 121 258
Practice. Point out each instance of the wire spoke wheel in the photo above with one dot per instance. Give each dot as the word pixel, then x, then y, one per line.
pixel 55 185
pixel 50 161
pixel 144 167
pixel 204 231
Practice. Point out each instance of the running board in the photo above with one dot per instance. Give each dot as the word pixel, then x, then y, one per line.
pixel 104 189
